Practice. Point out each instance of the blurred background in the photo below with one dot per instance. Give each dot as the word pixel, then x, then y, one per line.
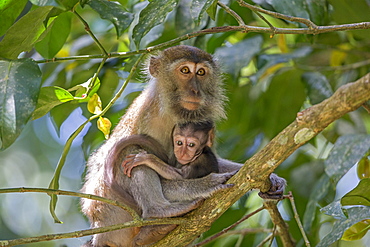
pixel 268 79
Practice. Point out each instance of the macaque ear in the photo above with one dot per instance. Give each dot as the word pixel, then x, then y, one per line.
pixel 154 66
pixel 211 137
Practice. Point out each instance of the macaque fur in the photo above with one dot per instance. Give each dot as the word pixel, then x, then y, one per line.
pixel 184 86
pixel 192 156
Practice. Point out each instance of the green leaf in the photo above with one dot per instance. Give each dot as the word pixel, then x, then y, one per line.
pixel 20 82
pixel 81 90
pixel 183 20
pixel 198 7
pixel 278 108
pixel 334 209
pixel 152 15
pixel 239 55
pixel 54 3
pixel 268 64
pixel 61 4
pixel 83 2
pixel 318 11
pixel 56 36
pixel 9 11
pixel 113 12
pixel 318 193
pixel 355 215
pixel 359 195
pixel 363 167
pixel 344 12
pixel 357 231
pixel 212 10
pixel 295 8
pixel 347 151
pixel 54 184
pixel 49 98
pixel 25 33
pixel 317 86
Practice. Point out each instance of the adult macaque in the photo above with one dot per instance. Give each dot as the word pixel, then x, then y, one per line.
pixel 184 86
pixel 192 155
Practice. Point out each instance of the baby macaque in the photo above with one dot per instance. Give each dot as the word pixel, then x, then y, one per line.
pixel 192 156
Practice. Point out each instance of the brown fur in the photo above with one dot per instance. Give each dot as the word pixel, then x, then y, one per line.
pixel 155 112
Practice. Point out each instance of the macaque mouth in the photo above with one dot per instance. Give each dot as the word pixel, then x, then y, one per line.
pixel 187 161
pixel 191 103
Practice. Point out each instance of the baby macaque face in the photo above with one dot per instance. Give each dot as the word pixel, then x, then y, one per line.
pixel 188 144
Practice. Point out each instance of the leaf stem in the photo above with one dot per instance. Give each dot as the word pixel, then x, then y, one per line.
pixel 88 30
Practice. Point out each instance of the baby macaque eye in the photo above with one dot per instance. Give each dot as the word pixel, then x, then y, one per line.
pixel 179 143
pixel 191 144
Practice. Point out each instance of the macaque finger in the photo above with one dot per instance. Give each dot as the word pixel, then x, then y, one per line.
pixel 126 163
pixel 129 169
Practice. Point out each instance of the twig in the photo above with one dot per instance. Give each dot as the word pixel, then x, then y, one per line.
pixel 281 226
pixel 83 233
pixel 296 216
pixel 270 237
pixel 267 22
pixel 132 212
pixel 307 22
pixel 212 30
pixel 88 30
pixel 229 227
pixel 246 231
pixel 232 13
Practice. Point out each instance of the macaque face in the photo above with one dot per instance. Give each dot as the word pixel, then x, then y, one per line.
pixel 190 76
pixel 188 144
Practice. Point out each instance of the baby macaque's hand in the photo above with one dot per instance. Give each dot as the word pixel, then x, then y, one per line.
pixel 133 160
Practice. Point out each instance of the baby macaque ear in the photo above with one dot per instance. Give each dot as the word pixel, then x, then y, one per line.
pixel 211 137
pixel 154 66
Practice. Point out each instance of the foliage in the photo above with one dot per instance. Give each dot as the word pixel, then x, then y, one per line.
pixel 64 63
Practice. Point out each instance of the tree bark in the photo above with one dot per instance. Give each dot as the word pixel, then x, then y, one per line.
pixel 256 170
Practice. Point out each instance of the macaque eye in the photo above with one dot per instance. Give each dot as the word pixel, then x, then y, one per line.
pixel 201 72
pixel 185 70
pixel 191 144
pixel 179 143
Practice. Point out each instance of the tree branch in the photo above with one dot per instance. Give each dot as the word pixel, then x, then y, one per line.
pixel 281 226
pixel 307 22
pixel 296 216
pixel 132 212
pixel 256 170
pixel 227 229
pixel 82 233
pixel 213 30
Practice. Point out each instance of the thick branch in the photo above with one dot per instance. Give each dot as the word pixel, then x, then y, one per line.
pixel 256 170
